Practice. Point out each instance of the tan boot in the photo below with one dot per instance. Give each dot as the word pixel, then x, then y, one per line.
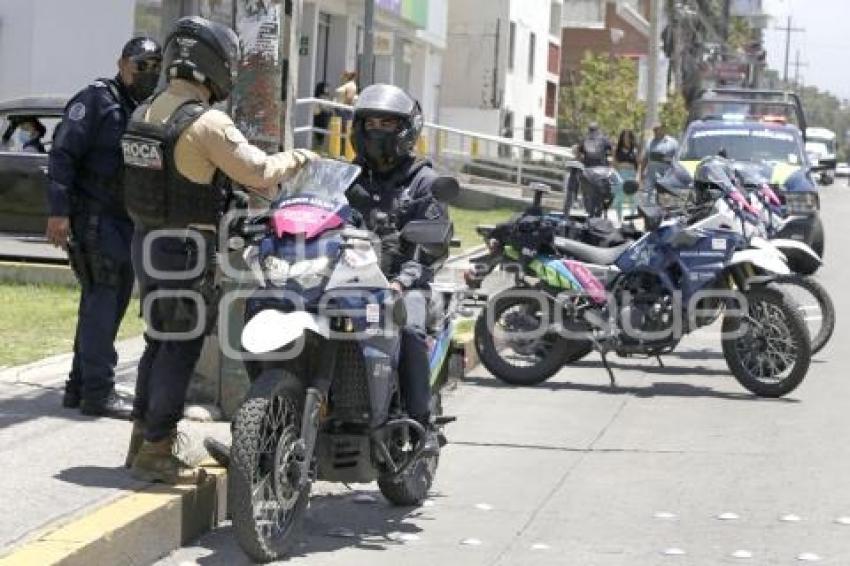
pixel 137 436
pixel 156 462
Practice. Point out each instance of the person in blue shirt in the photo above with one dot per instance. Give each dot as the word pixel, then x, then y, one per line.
pixel 87 217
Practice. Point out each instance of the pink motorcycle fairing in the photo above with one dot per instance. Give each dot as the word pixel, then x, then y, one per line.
pixel 742 201
pixel 306 219
pixel 770 195
pixel 592 286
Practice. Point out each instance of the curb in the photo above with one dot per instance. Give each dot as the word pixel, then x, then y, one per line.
pixel 37 274
pixel 139 528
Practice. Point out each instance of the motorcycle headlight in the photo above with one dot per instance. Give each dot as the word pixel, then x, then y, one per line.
pixel 309 272
pixel 802 202
pixel 276 270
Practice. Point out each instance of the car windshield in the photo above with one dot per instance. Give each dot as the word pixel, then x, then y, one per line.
pixel 743 144
pixel 325 179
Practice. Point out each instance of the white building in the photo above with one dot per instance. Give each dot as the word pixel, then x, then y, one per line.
pixel 502 75
pixel 59 46
pixel 410 40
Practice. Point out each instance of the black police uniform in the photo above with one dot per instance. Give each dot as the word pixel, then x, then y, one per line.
pixel 404 193
pixel 85 167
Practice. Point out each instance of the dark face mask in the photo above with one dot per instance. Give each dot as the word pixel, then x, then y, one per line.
pixel 380 149
pixel 144 83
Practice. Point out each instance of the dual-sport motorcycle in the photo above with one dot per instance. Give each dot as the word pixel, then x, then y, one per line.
pixel 322 348
pixel 639 298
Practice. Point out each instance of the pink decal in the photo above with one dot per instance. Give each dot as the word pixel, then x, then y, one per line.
pixel 594 288
pixel 770 195
pixel 742 201
pixel 304 219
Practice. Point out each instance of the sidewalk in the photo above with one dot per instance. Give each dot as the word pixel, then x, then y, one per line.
pixel 57 464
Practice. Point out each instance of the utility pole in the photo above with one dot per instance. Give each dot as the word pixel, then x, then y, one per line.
pixel 788 29
pixel 652 94
pixel 368 45
pixel 725 23
pixel 797 66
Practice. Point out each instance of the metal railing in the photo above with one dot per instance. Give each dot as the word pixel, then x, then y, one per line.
pixel 480 157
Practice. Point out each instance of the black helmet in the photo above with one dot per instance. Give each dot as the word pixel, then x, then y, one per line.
pixel 384 151
pixel 203 51
pixel 713 176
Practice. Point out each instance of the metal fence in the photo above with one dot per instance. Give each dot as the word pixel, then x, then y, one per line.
pixel 474 155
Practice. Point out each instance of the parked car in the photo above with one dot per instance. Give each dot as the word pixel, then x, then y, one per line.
pixel 23 170
pixel 842 169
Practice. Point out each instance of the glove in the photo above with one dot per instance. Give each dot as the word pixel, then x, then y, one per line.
pixel 304 156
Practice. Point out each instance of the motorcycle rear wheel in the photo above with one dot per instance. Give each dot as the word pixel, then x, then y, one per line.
pixel 266 507
pixel 771 356
pixel 820 334
pixel 537 360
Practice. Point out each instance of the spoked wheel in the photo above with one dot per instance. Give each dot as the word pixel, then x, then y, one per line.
pixel 513 344
pixel 411 488
pixel 768 350
pixel 815 305
pixel 267 496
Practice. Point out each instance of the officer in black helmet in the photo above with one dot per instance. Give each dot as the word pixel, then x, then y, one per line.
pixel 86 202
pixel 387 123
pixel 180 155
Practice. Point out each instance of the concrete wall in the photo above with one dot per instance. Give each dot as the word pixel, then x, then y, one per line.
pixel 58 46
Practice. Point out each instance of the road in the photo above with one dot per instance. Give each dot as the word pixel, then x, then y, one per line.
pixel 678 466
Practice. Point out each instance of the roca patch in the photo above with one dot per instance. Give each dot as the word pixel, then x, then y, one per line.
pixel 141 152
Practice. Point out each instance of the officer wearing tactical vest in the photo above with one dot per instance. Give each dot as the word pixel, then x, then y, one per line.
pixel 86 199
pixel 180 155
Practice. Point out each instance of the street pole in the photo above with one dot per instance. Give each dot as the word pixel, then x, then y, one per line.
pixel 652 94
pixel 788 29
pixel 725 29
pixel 368 45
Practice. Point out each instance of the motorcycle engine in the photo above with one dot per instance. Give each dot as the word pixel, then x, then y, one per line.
pixel 646 309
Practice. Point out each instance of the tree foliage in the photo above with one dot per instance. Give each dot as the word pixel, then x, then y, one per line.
pixel 674 113
pixel 603 91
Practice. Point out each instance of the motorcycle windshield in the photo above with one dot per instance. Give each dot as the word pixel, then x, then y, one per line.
pixel 314 200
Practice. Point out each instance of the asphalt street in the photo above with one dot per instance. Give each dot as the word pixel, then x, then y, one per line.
pixel 680 465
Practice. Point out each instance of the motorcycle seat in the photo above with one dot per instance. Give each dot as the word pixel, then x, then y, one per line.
pixel 590 254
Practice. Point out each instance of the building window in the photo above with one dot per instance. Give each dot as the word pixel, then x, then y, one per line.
pixel 532 46
pixel 507 132
pixel 511 45
pixel 550 135
pixel 555 20
pixel 554 65
pixel 323 33
pixel 551 98
pixel 529 128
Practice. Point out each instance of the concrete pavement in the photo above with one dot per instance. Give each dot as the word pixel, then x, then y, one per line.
pixel 678 466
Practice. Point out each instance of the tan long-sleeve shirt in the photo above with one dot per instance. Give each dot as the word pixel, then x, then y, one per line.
pixel 214 142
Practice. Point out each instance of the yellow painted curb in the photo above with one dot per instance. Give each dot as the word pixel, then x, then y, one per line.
pixel 139 528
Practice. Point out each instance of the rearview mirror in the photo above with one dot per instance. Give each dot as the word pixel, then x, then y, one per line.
pixel 445 189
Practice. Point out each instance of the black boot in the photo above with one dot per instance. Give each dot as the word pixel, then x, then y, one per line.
pixel 113 407
pixel 71 398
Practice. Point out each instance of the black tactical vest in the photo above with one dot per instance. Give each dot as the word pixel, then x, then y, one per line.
pixel 156 194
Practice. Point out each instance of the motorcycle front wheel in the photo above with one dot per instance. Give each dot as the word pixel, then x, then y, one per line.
pixel 767 348
pixel 512 345
pixel 266 496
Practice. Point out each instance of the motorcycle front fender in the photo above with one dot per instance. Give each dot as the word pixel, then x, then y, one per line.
pixel 270 329
pixel 763 260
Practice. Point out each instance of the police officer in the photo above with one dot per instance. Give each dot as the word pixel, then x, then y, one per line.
pixel 595 148
pixel 85 201
pixel 387 123
pixel 180 156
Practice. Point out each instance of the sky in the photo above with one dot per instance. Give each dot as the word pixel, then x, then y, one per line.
pixel 824 46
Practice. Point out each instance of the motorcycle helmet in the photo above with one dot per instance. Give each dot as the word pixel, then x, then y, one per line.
pixel 203 51
pixel 379 148
pixel 713 177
